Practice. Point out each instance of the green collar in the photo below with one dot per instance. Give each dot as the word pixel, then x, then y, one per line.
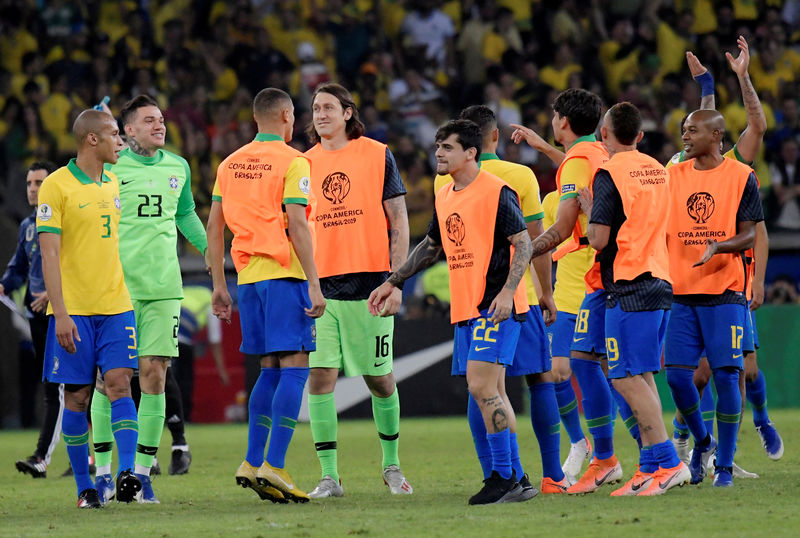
pixel 81 176
pixel 155 159
pixel 488 157
pixel 587 138
pixel 268 137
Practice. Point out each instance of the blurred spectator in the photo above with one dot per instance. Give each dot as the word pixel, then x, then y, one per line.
pixel 431 31
pixel 785 178
pixel 782 291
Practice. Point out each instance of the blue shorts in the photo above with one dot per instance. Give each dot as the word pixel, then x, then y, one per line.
pixel 480 340
pixel 750 340
pixel 533 353
pixel 634 341
pixel 590 325
pixel 272 317
pixel 560 334
pixel 717 329
pixel 107 342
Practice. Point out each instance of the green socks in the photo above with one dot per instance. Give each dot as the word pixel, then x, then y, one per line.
pixel 324 427
pixel 386 412
pixel 101 432
pixel 151 424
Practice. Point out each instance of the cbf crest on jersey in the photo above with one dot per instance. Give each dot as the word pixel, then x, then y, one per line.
pixel 117 203
pixel 173 182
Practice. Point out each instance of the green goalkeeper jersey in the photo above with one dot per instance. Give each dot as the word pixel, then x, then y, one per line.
pixel 155 195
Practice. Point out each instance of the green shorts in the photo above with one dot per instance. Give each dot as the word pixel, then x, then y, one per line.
pixel 157 327
pixel 349 338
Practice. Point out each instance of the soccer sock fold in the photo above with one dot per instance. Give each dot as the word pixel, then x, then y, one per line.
pixel 597 403
pixel 501 452
pixel 708 409
pixel 687 400
pixel 75 428
pixel 729 408
pixel 126 431
pixel 568 410
pixel 757 396
pixel 626 413
pixel 681 430
pixel 386 413
pixel 647 460
pixel 285 407
pixel 151 425
pixel 666 456
pixel 101 432
pixel 516 463
pixel 324 429
pixel 260 414
pixel 547 428
pixel 478 429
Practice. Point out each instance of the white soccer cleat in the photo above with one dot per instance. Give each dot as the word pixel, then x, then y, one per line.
pixel 682 448
pixel 398 485
pixel 327 487
pixel 578 453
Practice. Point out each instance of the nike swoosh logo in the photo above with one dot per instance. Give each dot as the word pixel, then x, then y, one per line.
pixel 578 339
pixel 131 356
pixel 637 487
pixel 603 480
pixel 376 365
pixel 481 348
pixel 612 367
pixel 81 206
pixel 125 182
pixel 665 484
pixel 737 356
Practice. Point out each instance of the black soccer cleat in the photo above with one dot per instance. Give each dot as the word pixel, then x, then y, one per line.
pixel 181 459
pixel 128 485
pixel 497 489
pixel 33 466
pixel 89 499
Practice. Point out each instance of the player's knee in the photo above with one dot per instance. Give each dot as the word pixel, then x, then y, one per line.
pixel 561 370
pixel 76 397
pixel 677 377
pixel 322 380
pixel 381 386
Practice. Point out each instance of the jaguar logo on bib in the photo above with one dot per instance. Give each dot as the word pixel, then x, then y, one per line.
pixel 455 229
pixel 700 207
pixel 336 187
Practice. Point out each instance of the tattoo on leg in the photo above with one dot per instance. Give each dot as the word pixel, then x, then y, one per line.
pixel 499 420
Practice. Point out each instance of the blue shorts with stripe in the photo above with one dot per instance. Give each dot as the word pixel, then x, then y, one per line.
pixel 750 341
pixel 590 331
pixel 107 342
pixel 478 339
pixel 273 318
pixel 634 341
pixel 560 334
pixel 533 352
pixel 719 330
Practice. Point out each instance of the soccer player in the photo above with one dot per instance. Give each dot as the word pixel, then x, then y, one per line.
pixel 478 223
pixel 156 195
pixel 261 194
pixel 92 322
pixel 26 266
pixel 715 208
pixel 358 195
pixel 628 228
pixel 532 357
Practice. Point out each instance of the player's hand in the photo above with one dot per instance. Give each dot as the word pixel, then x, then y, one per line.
pixel 221 304
pixel 384 300
pixel 758 295
pixel 711 249
pixel 40 303
pixel 67 333
pixel 549 311
pixel 740 64
pixel 586 200
pixel 501 307
pixel 528 135
pixel 695 67
pixel 317 302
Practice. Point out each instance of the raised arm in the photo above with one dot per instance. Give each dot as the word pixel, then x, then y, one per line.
pixel 701 75
pixel 536 142
pixel 749 142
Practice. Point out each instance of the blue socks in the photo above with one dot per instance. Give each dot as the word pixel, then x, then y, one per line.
pixel 665 454
pixel 285 407
pixel 568 410
pixel 729 409
pixel 708 409
pixel 516 464
pixel 647 460
pixel 757 396
pixel 681 430
pixel 547 428
pixel 260 410
pixel 125 426
pixel 687 400
pixel 478 429
pixel 597 403
pixel 499 444
pixel 75 428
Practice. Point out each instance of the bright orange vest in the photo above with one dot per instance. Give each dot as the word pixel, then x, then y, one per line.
pixel 643 185
pixel 704 205
pixel 350 226
pixel 251 182
pixel 467 219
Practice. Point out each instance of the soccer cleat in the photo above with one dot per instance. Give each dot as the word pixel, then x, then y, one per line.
pixel 88 499
pixel 34 466
pixel 699 461
pixel 600 472
pixel 327 487
pixel 723 477
pixel 268 475
pixel 770 440
pixel 497 489
pixel 526 492
pixel 666 479
pixel 578 453
pixel 155 469
pixel 128 485
pixel 398 485
pixel 106 489
pixel 246 477
pixel 738 472
pixel 550 486
pixel 146 495
pixel 181 459
pixel 681 445
pixel 636 485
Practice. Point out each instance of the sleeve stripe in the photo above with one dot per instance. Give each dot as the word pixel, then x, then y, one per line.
pixel 536 216
pixel 48 229
pixel 298 201
pixel 216 198
pixel 569 195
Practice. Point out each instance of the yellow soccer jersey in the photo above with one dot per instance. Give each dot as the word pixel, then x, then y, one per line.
pixel 264 268
pixel 576 174
pixel 523 181
pixel 570 287
pixel 86 216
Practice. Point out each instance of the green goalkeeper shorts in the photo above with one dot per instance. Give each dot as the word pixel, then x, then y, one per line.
pixel 157 327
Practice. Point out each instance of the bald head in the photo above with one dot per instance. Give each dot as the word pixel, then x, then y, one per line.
pixel 90 121
pixel 702 134
pixel 712 119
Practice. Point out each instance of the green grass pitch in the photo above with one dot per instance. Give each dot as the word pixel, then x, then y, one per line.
pixel 437 457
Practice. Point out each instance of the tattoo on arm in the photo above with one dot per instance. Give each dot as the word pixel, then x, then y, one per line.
pixel 546 242
pixel 423 256
pixel 520 260
pixel 751 102
pixel 395 209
